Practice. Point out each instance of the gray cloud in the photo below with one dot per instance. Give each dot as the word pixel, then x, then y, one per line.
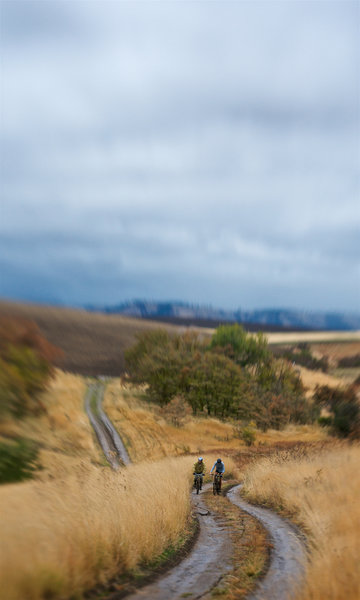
pixel 201 151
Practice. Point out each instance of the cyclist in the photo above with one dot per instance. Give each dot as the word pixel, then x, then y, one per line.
pixel 199 469
pixel 219 468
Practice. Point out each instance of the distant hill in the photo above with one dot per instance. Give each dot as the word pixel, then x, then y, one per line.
pixel 253 320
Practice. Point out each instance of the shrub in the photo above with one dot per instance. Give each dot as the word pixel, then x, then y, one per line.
pixel 18 460
pixel 242 347
pixel 248 434
pixel 25 367
pixel 343 405
pixel 325 421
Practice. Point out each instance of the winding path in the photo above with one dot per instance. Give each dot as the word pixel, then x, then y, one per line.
pixel 210 558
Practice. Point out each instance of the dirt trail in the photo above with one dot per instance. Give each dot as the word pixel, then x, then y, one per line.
pixel 210 558
pixel 288 555
pixel 106 433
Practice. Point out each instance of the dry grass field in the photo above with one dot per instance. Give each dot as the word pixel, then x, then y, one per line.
pixel 312 378
pixel 336 350
pixel 321 491
pixel 61 537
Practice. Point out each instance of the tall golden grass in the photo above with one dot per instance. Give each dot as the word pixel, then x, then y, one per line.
pixel 59 538
pixel 323 491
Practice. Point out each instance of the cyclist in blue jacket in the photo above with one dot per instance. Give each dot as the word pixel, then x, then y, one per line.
pixel 219 468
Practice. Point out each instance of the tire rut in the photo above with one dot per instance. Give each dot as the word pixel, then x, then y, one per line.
pixel 109 439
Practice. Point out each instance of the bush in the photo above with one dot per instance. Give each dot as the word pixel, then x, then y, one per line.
pixel 325 421
pixel 25 367
pixel 18 460
pixel 248 434
pixel 242 347
pixel 343 405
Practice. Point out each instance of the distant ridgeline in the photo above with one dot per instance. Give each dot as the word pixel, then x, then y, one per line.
pixel 252 320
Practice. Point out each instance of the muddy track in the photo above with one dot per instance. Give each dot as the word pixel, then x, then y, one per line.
pixel 210 558
pixel 288 554
pixel 106 433
pixel 207 563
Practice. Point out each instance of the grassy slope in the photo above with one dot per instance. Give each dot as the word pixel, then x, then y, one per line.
pixel 92 343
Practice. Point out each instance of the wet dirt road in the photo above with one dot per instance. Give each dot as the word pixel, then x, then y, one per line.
pixel 209 560
pixel 288 555
pixel 108 437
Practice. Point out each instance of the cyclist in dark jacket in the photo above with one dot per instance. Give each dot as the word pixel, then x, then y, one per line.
pixel 199 469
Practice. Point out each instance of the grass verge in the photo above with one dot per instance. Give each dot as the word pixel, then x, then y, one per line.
pixel 251 548
pixel 146 572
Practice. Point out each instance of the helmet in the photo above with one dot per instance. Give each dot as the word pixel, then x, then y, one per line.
pixel 200 458
pixel 219 460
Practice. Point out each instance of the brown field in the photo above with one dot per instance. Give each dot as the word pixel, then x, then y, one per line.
pixel 92 343
pixel 321 491
pixel 335 351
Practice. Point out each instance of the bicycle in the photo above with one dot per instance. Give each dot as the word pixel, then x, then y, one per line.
pixel 217 484
pixel 198 482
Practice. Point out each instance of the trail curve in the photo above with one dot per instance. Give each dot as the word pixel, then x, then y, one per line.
pixel 288 555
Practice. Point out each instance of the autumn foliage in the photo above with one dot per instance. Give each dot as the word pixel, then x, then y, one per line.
pixel 26 365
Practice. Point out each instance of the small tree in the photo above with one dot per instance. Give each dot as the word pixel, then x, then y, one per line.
pixel 248 434
pixel 242 347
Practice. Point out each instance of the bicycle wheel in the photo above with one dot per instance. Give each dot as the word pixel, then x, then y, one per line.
pixel 197 485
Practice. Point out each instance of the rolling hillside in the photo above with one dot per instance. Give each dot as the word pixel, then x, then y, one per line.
pixel 92 343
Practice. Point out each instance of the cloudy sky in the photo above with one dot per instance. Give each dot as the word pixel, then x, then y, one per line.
pixel 202 151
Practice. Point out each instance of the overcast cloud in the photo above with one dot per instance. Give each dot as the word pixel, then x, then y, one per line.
pixel 200 151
